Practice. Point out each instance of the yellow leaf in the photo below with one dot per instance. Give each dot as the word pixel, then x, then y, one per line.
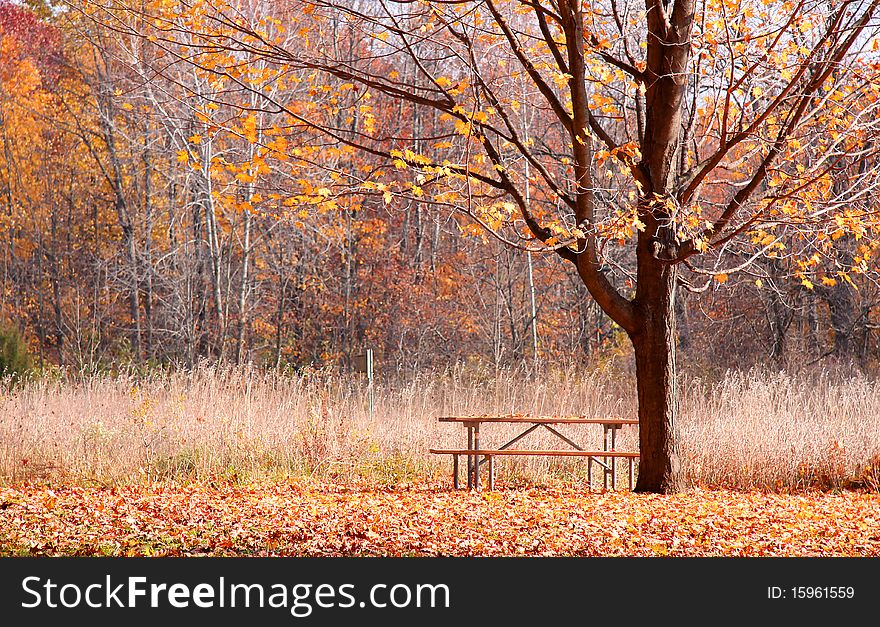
pixel 561 80
pixel 659 548
pixel 807 284
pixel 721 278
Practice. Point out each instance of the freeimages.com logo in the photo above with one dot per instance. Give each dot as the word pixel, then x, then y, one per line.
pixel 300 599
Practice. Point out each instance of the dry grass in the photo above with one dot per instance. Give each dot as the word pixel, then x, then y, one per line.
pixel 772 431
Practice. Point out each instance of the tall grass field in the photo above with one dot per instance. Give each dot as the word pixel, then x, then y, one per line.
pixel 753 430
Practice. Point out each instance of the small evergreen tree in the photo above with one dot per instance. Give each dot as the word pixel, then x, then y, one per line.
pixel 15 361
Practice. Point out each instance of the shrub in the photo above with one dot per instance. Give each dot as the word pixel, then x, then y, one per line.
pixel 15 361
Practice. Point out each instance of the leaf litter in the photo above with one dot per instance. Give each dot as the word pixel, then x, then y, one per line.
pixel 327 519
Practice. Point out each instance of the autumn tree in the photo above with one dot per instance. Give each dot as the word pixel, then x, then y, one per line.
pixel 41 182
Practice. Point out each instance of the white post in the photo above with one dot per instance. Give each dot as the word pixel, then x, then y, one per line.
pixel 370 379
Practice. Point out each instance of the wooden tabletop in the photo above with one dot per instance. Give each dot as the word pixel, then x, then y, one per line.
pixel 517 418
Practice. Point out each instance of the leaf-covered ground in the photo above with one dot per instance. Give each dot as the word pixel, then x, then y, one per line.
pixel 327 519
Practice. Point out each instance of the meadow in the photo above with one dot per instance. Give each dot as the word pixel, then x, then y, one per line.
pixel 755 430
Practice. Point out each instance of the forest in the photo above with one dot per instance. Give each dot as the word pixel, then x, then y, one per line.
pixel 154 214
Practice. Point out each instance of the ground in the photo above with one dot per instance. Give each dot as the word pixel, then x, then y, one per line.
pixel 305 518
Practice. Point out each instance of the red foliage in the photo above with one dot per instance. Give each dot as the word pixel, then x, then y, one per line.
pixel 33 37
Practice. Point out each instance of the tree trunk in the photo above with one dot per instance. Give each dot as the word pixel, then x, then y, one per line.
pixel 279 317
pixel 654 345
pixel 243 288
pixel 148 249
pixel 133 292
pixel 779 318
pixel 843 313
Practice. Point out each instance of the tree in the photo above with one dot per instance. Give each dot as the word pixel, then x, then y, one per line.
pixel 15 361
pixel 41 179
pixel 667 141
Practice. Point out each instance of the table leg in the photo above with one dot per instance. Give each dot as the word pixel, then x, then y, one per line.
pixel 470 458
pixel 455 471
pixel 613 459
pixel 476 457
pixel 605 459
pixel 491 472
pixel 590 473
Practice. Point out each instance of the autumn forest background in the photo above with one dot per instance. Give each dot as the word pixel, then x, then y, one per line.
pixel 190 272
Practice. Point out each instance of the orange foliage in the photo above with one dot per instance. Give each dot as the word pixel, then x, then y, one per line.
pixel 330 520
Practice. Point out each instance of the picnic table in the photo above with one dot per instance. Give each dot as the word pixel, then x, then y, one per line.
pixel 473 452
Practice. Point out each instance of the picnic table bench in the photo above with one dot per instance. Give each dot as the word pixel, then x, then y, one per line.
pixel 604 458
